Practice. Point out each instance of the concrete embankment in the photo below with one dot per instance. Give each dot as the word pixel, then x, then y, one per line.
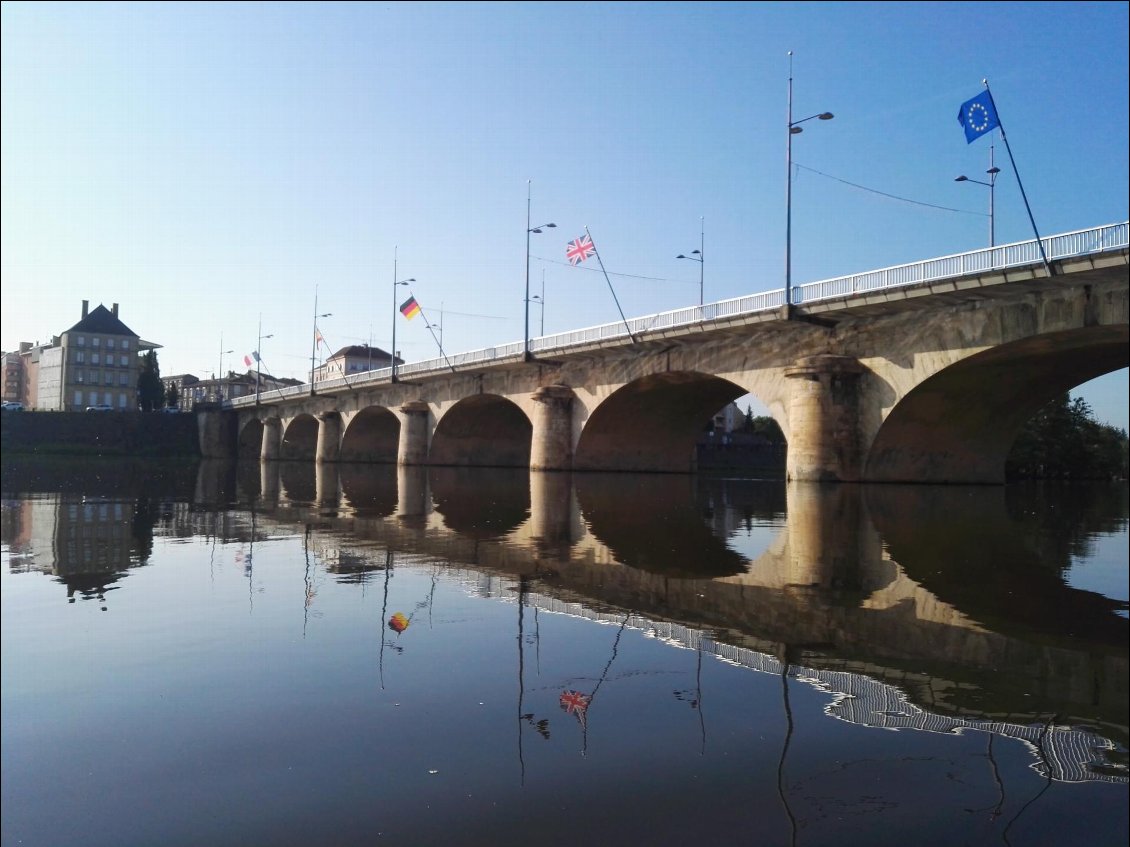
pixel 99 434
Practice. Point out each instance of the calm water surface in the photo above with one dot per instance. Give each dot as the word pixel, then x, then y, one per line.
pixel 291 655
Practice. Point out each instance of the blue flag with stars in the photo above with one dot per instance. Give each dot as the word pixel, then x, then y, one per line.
pixel 978 116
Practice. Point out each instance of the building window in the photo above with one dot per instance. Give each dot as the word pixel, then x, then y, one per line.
pixel 123 379
pixel 79 377
pixel 109 344
pixel 81 341
pixel 125 361
pixel 125 344
pixel 78 398
pixel 107 399
pixel 80 357
pixel 92 398
pixel 92 377
pixel 122 400
pixel 95 341
pixel 109 378
pixel 95 359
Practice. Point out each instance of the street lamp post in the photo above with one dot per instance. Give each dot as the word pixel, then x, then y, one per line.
pixel 698 256
pixel 395 283
pixel 314 342
pixel 530 230
pixel 991 184
pixel 540 300
pixel 259 356
pixel 794 128
pixel 439 326
pixel 220 381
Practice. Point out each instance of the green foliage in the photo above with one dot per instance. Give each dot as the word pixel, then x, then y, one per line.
pixel 763 426
pixel 172 397
pixel 150 389
pixel 1063 441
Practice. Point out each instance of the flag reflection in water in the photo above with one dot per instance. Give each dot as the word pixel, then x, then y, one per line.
pixel 575 703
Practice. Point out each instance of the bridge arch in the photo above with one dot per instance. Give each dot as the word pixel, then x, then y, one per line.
pixel 250 442
pixel 653 422
pixel 959 424
pixel 484 430
pixel 300 439
pixel 373 435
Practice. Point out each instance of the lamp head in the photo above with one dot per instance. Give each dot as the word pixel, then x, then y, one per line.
pixel 993 171
pixel 796 130
pixel 825 116
pixel 962 178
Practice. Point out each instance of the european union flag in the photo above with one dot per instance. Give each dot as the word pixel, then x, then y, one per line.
pixel 978 116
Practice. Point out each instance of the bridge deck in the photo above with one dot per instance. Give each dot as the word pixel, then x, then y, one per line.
pixel 992 272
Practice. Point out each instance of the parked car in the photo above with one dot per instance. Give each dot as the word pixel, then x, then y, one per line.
pixel 12 406
pixel 100 408
pixel 171 410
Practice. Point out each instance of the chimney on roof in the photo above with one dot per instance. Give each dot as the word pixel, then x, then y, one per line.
pixel 85 307
pixel 114 310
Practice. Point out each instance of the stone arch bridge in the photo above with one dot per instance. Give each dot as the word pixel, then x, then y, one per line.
pixel 917 373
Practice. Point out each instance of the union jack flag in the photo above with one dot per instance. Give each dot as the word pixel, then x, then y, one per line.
pixel 575 703
pixel 579 250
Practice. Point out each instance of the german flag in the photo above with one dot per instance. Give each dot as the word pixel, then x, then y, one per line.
pixel 410 308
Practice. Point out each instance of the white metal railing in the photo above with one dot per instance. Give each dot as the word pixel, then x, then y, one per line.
pixel 1084 242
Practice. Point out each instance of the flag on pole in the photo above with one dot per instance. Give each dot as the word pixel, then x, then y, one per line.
pixel 410 308
pixel 579 249
pixel 978 116
pixel 251 358
pixel 318 337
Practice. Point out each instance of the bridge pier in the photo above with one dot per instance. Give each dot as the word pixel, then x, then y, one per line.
pixel 824 419
pixel 413 446
pixel 217 433
pixel 329 437
pixel 554 516
pixel 272 439
pixel 327 486
pixel 412 500
pixel 551 446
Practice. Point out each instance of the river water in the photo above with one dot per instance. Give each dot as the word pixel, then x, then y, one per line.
pixel 353 655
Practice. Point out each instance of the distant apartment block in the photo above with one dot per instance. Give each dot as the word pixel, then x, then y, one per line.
pixel 95 362
pixel 192 390
pixel 356 358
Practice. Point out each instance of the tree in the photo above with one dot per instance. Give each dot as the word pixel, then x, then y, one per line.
pixel 1064 441
pixel 172 396
pixel 150 389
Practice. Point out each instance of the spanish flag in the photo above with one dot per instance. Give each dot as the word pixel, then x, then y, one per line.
pixel 410 308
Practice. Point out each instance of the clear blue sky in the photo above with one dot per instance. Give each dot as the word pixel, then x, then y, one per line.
pixel 203 165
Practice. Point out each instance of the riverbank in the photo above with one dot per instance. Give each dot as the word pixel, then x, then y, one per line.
pixel 95 434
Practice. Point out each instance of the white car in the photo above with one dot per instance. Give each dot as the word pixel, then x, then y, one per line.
pixel 12 406
pixel 100 408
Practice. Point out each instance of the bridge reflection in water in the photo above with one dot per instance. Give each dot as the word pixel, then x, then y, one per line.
pixel 911 607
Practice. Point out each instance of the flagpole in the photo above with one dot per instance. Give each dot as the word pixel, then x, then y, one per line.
pixel 1008 147
pixel 392 351
pixel 314 341
pixel 610 288
pixel 258 366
